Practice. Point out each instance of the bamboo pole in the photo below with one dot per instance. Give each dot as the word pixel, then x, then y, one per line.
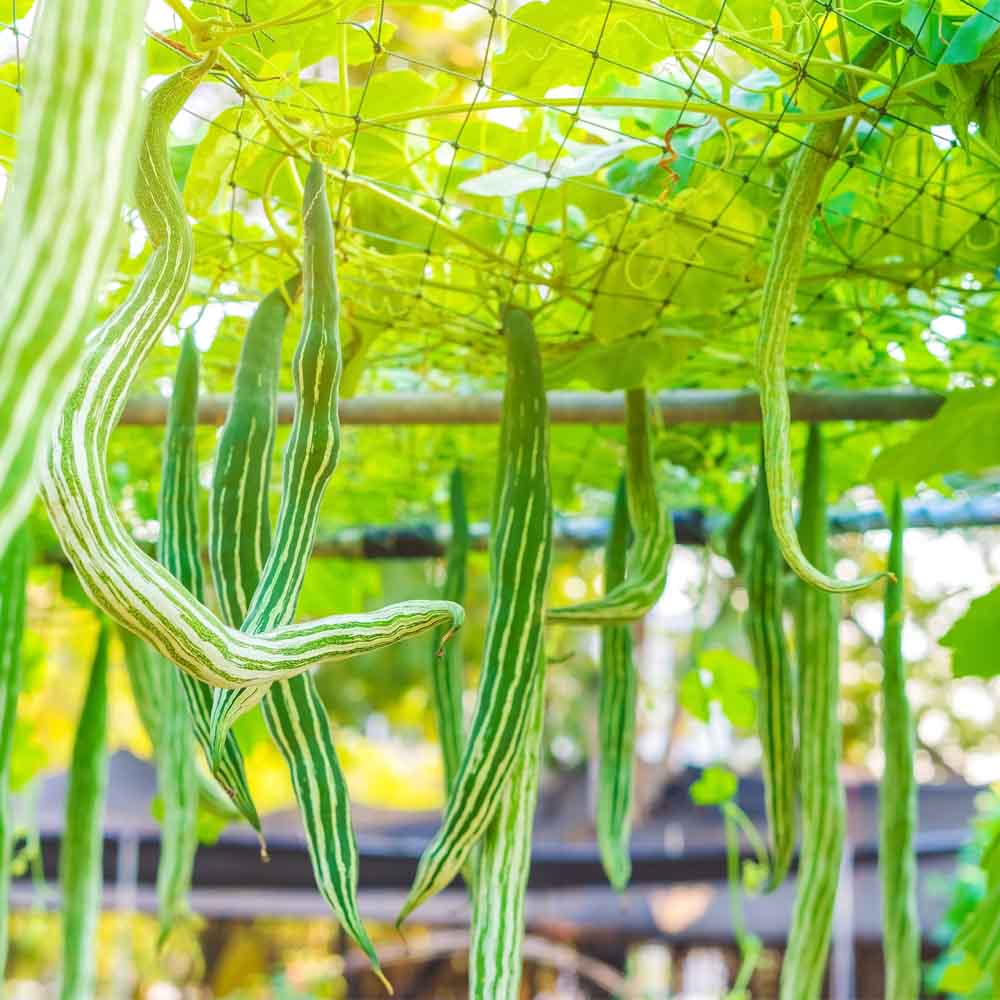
pixel 677 406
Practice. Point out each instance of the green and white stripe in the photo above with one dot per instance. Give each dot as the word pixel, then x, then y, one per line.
pixel 13 606
pixel 776 684
pixel 313 446
pixel 144 668
pixel 75 156
pixel 242 474
pixel 239 517
pixel 132 588
pixel 520 559
pixel 821 793
pixel 503 862
pixel 898 790
pixel 795 219
pixel 653 528
pixel 616 714
pixel 293 711
pixel 80 872
pixel 178 552
pixel 446 668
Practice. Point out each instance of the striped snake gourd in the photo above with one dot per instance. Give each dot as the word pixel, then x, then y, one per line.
pixel 520 561
pixel 898 789
pixel 776 684
pixel 271 571
pixel 821 794
pixel 616 713
pixel 76 148
pixel 80 851
pixel 177 550
pixel 502 865
pixel 791 236
pixel 653 534
pixel 130 587
pixel 446 668
pixel 13 607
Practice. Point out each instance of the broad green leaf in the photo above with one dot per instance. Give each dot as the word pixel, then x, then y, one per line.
pixel 394 93
pixel 533 172
pixel 973 35
pixel 975 638
pixel 955 440
pixel 623 365
pixel 728 669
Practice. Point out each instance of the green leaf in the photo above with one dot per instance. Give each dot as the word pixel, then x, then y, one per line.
pixel 952 442
pixel 533 172
pixel 623 364
pixel 693 695
pixel 715 786
pixel 180 162
pixel 973 35
pixel 728 670
pixel 29 754
pixel 975 637
pixel 960 977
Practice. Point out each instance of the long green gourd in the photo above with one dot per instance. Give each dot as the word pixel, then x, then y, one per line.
pixel 76 149
pixel 313 446
pixel 898 790
pixel 795 219
pixel 653 528
pixel 80 874
pixel 503 862
pixel 822 796
pixel 13 606
pixel 178 551
pixel 446 669
pixel 131 588
pixel 241 475
pixel 240 480
pixel 293 711
pixel 520 559
pixel 776 684
pixel 616 714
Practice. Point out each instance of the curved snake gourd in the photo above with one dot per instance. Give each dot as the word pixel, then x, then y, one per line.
pixel 776 684
pixel 821 793
pixel 898 790
pixel 75 156
pixel 130 587
pixel 520 560
pixel 502 865
pixel 446 669
pixel 616 714
pixel 80 868
pixel 653 531
pixel 791 236
pixel 13 607
pixel 270 573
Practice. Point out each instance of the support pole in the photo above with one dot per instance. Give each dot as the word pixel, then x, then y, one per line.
pixel 677 406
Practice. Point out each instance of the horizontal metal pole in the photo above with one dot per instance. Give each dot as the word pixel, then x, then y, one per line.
pixel 427 540
pixel 678 406
pixel 691 527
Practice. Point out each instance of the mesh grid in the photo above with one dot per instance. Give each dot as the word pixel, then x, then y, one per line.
pixel 662 245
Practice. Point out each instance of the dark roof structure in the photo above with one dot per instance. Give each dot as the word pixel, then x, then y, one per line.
pixel 678 888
